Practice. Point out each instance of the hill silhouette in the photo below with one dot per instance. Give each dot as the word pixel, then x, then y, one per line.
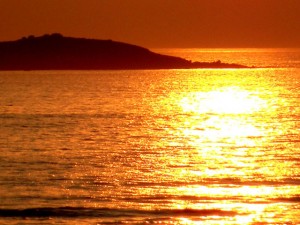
pixel 56 52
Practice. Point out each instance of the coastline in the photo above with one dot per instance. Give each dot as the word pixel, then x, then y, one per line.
pixel 56 52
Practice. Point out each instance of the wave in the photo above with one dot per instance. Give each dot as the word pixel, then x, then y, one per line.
pixel 78 212
pixel 295 199
pixel 222 181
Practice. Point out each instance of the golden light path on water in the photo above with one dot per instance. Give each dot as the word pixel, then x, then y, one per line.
pixel 224 106
pixel 229 121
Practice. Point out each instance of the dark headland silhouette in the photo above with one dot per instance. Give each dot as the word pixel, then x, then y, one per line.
pixel 56 52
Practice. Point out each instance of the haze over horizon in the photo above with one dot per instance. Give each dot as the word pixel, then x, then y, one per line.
pixel 156 24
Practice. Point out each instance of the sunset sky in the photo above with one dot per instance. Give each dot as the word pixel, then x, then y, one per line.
pixel 158 23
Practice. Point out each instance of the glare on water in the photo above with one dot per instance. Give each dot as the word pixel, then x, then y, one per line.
pixel 230 131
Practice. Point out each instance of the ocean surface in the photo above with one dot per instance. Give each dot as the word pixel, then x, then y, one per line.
pixel 202 146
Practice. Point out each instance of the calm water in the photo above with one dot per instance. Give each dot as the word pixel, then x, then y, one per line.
pixel 155 146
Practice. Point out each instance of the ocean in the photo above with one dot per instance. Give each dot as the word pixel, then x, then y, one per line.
pixel 199 146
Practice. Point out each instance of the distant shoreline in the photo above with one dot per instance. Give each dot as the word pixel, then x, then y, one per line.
pixel 56 52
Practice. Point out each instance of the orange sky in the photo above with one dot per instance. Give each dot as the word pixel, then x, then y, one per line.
pixel 158 23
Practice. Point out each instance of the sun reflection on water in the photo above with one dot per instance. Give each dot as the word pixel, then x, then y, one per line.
pixel 230 100
pixel 222 116
pixel 226 131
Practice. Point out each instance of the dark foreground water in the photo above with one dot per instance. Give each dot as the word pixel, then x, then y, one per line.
pixel 155 146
